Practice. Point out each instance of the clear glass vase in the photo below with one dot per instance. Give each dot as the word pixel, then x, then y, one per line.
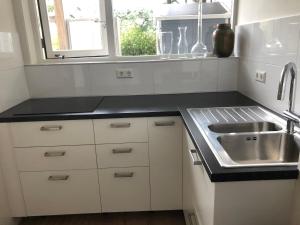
pixel 199 49
pixel 165 44
pixel 182 42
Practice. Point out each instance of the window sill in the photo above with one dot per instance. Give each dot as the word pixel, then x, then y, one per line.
pixel 118 60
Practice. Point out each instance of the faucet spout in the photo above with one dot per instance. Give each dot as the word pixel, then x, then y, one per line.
pixel 292 118
pixel 291 69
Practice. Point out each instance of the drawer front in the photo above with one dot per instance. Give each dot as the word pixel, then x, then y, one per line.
pixel 121 130
pixel 52 133
pixel 122 155
pixel 63 192
pixel 56 158
pixel 125 189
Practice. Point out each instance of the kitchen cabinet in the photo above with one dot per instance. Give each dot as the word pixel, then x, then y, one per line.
pixel 198 191
pixel 231 203
pixel 101 165
pixel 165 152
pixel 128 164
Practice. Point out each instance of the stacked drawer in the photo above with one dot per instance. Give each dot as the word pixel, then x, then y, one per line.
pixel 57 164
pixel 122 156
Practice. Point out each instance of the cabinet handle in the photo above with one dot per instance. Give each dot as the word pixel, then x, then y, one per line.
pixel 121 150
pixel 51 128
pixel 55 154
pixel 120 125
pixel 58 177
pixel 123 174
pixel 196 160
pixel 164 123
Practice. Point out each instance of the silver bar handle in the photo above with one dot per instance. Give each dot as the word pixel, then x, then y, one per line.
pixel 123 174
pixel 120 125
pixel 121 150
pixel 58 177
pixel 55 154
pixel 51 128
pixel 196 160
pixel 164 123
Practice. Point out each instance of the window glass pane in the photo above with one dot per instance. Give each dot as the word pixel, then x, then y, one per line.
pixel 75 24
pixel 140 21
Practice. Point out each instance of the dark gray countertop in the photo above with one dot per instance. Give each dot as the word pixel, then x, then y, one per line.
pixel 167 105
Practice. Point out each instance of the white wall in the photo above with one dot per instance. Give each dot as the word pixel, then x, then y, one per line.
pixel 206 75
pixel 13 86
pixel 256 10
pixel 267 46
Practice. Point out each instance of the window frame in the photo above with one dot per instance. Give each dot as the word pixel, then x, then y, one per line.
pixel 34 50
pixel 61 54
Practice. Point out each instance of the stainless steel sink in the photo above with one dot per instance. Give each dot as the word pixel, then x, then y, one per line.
pixel 247 136
pixel 244 127
pixel 261 148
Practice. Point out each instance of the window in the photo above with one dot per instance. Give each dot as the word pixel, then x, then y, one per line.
pixel 73 28
pixel 85 28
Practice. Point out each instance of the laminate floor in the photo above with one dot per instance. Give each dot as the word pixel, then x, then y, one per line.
pixel 135 218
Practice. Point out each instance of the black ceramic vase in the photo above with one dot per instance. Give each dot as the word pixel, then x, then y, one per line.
pixel 223 40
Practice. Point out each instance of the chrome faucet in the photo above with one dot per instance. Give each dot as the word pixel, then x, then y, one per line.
pixel 292 117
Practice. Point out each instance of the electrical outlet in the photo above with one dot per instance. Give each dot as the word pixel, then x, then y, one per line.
pixel 124 73
pixel 261 76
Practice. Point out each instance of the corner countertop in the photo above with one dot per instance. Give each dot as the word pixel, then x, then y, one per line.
pixel 169 105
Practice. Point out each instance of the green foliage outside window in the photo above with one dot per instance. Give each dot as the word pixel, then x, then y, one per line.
pixel 138 36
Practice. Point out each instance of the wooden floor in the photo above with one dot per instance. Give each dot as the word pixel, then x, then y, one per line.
pixel 139 218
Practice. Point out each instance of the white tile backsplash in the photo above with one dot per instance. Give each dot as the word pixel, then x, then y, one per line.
pixel 13 85
pixel 267 46
pixel 12 88
pixel 10 51
pixel 228 75
pixel 148 78
pixel 186 76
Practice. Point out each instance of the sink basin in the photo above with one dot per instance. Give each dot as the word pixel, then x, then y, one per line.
pixel 244 127
pixel 247 136
pixel 261 149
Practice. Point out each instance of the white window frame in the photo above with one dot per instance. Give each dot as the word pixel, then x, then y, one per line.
pixel 52 54
pixel 29 24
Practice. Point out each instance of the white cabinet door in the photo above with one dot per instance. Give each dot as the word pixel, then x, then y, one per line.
pixel 61 192
pixel 198 190
pixel 165 150
pixel 125 189
pixel 122 130
pixel 52 133
pixel 187 198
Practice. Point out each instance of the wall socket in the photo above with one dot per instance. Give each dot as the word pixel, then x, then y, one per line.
pixel 261 76
pixel 124 73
